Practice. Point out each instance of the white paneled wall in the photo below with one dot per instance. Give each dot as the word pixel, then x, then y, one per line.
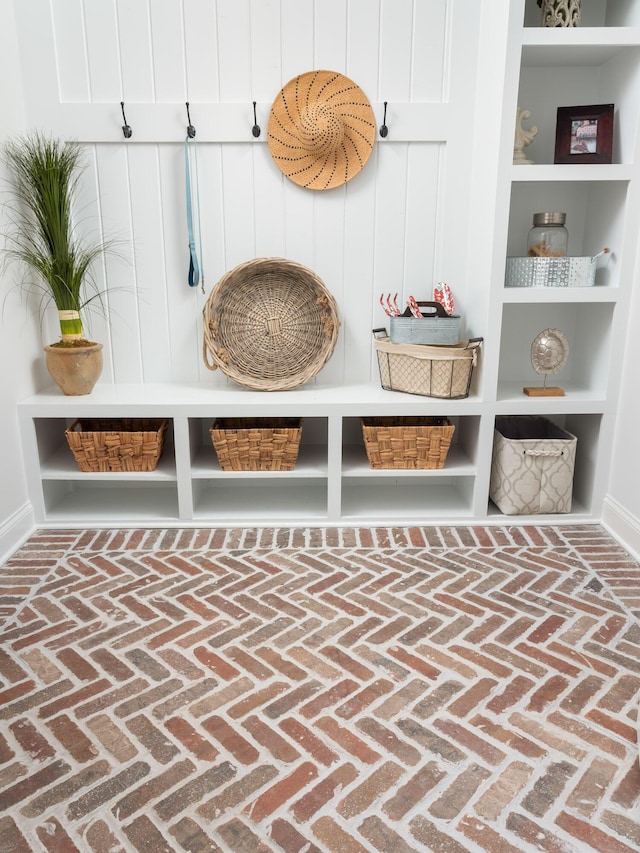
pixel 398 226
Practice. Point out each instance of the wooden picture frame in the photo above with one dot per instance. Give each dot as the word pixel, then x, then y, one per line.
pixel 584 134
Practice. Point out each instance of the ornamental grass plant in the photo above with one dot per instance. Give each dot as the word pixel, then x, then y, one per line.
pixel 42 238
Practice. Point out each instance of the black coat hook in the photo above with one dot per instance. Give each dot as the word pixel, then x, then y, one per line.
pixel 191 131
pixel 255 129
pixel 125 127
pixel 384 130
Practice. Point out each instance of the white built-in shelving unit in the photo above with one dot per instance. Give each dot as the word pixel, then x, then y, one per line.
pixel 332 483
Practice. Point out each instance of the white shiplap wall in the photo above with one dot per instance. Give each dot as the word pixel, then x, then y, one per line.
pixel 400 225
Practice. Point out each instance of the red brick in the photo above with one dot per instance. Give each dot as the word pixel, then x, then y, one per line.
pixel 485 836
pixel 54 796
pixel 470 741
pixel 413 791
pixel 347 740
pixel 144 835
pixel 238 792
pixel 346 662
pixel 192 792
pixel 503 790
pixel 77 664
pixel 309 741
pixel 139 797
pixel 191 739
pixel 614 725
pixel 233 742
pixel 12 837
pixel 322 793
pixel 592 836
pixel 31 740
pixel 289 839
pixel 266 736
pixel 540 837
pixel 32 784
pixel 54 838
pixel 372 788
pixel 215 663
pixel 329 697
pixel 257 699
pixel 281 792
pixel 389 741
pixel 334 838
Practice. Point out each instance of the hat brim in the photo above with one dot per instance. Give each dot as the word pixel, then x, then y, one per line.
pixel 324 169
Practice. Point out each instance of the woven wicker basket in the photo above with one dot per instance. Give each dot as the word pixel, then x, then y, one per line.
pixel 117 445
pixel 407 442
pixel 269 324
pixel 257 444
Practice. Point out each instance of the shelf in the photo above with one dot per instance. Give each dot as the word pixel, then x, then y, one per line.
pixel 356 464
pixel 521 295
pixel 264 499
pixel 112 502
pixel 398 498
pixel 577 47
pixel 562 172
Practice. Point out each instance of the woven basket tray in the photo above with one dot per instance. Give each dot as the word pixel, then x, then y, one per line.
pixel 117 445
pixel 432 371
pixel 407 442
pixel 269 324
pixel 256 444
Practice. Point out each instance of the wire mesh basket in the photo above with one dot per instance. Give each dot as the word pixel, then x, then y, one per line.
pixel 270 324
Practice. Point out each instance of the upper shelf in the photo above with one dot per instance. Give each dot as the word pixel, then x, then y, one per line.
pixel 559 46
pixel 579 172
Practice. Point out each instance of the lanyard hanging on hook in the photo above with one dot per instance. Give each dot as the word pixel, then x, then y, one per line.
pixel 195 272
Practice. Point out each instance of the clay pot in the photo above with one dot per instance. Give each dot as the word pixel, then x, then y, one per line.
pixel 75 370
pixel 560 13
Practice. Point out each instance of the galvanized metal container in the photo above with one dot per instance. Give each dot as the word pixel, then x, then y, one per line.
pixel 436 327
pixel 553 272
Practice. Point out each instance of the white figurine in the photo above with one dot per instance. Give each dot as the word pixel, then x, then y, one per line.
pixel 522 139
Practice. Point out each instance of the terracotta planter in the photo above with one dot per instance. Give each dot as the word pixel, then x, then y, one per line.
pixel 560 13
pixel 75 370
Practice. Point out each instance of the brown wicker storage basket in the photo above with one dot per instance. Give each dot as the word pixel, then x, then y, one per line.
pixel 269 324
pixel 257 444
pixel 125 444
pixel 407 442
pixel 432 371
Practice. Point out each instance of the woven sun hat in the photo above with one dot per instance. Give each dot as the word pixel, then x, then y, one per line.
pixel 321 129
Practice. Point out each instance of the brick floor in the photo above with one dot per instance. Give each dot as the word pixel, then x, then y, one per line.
pixel 326 691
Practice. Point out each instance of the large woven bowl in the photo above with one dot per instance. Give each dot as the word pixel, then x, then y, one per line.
pixel 269 324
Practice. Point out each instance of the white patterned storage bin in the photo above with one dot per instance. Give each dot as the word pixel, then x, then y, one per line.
pixel 532 466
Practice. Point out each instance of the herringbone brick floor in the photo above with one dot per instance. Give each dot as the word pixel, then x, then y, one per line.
pixel 325 691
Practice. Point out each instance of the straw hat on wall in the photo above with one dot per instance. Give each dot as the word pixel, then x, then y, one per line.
pixel 321 129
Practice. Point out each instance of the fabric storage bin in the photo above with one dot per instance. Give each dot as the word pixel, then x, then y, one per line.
pixel 407 442
pixel 256 444
pixel 127 444
pixel 432 371
pixel 436 327
pixel 532 466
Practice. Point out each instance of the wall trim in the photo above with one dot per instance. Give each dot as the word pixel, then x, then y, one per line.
pixel 622 526
pixel 16 530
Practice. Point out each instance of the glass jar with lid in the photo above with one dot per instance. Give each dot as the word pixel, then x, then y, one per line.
pixel 548 238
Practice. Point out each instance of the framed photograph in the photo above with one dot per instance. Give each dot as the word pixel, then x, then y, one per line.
pixel 584 134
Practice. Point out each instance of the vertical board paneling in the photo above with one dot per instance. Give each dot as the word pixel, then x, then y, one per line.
pixel 234 50
pixel 149 272
pixel 168 50
pixel 103 51
pixel 113 188
pixel 71 57
pixel 136 60
pixel 363 28
pixel 330 36
pixel 396 25
pixel 265 52
pixel 359 260
pixel 423 191
pixel 296 26
pixel 181 300
pixel 201 50
pixel 237 184
pixel 428 53
pixel 398 226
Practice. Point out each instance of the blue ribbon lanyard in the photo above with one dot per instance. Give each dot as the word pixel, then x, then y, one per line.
pixel 194 268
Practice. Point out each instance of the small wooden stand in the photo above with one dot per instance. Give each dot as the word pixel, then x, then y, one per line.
pixel 543 392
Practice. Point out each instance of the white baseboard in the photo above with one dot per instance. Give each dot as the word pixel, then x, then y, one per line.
pixel 15 531
pixel 622 526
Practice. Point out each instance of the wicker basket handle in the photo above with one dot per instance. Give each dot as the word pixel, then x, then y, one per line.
pixel 205 357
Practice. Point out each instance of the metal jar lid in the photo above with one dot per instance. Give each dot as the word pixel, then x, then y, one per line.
pixel 549 219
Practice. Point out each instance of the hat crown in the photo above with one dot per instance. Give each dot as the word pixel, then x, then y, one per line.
pixel 321 129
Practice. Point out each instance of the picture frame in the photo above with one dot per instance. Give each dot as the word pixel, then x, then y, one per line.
pixel 584 134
